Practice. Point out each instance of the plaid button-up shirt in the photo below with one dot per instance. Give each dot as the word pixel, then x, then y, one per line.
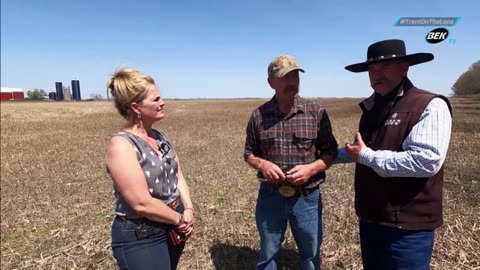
pixel 300 137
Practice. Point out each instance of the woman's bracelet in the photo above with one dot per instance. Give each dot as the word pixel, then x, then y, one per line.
pixel 189 208
pixel 180 219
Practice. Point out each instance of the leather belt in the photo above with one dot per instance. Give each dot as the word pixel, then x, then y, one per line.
pixel 288 190
pixel 175 204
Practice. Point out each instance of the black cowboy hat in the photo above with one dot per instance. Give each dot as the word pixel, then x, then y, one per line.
pixel 388 50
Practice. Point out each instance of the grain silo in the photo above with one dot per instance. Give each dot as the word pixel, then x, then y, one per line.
pixel 76 90
pixel 66 93
pixel 59 90
pixel 52 95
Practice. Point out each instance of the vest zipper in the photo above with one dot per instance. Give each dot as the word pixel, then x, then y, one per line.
pixel 397 213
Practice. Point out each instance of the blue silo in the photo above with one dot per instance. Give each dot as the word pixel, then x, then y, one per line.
pixel 76 90
pixel 52 95
pixel 59 90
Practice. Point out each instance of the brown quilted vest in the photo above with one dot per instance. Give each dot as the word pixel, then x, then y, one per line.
pixel 402 202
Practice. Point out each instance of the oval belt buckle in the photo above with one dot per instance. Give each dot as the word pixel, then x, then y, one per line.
pixel 286 191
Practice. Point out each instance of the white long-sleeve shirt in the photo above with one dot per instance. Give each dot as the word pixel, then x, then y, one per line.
pixel 425 147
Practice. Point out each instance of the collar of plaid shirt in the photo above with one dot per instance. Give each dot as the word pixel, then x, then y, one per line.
pixel 298 105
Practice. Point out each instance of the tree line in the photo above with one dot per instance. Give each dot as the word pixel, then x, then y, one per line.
pixel 469 82
pixel 38 94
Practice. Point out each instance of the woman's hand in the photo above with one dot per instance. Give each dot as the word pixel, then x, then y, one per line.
pixel 187 226
pixel 188 215
pixel 185 229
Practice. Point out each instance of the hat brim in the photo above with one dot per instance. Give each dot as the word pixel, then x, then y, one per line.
pixel 412 59
pixel 286 71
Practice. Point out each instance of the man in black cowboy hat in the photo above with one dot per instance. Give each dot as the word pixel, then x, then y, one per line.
pixel 399 152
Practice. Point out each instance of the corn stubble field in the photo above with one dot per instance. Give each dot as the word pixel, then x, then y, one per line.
pixel 57 202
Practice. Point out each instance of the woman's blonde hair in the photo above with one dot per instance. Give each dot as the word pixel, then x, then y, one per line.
pixel 128 85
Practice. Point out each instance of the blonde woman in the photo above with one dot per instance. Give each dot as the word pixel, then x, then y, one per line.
pixel 154 212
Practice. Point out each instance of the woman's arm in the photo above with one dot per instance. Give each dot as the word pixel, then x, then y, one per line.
pixel 188 211
pixel 183 188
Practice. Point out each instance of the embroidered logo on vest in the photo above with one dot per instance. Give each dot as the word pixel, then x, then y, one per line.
pixel 393 121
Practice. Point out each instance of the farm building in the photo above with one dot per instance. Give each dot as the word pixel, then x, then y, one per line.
pixel 12 93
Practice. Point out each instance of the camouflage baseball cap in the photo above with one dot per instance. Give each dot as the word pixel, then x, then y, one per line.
pixel 283 64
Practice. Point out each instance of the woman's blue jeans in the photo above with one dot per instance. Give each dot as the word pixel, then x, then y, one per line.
pixel 151 253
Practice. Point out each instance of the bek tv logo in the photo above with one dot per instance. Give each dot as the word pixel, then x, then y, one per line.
pixel 437 35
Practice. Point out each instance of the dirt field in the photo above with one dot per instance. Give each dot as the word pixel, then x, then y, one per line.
pixel 57 202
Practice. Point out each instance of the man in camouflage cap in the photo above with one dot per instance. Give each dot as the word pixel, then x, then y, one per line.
pixel 282 65
pixel 290 143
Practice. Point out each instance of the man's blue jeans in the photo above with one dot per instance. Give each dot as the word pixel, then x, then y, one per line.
pixel 387 248
pixel 304 214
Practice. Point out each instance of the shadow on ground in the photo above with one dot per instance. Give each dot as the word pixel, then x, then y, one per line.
pixel 231 257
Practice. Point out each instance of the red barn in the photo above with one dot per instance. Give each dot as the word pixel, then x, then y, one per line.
pixel 11 93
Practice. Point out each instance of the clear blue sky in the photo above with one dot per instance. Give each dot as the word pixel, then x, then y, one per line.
pixel 221 49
